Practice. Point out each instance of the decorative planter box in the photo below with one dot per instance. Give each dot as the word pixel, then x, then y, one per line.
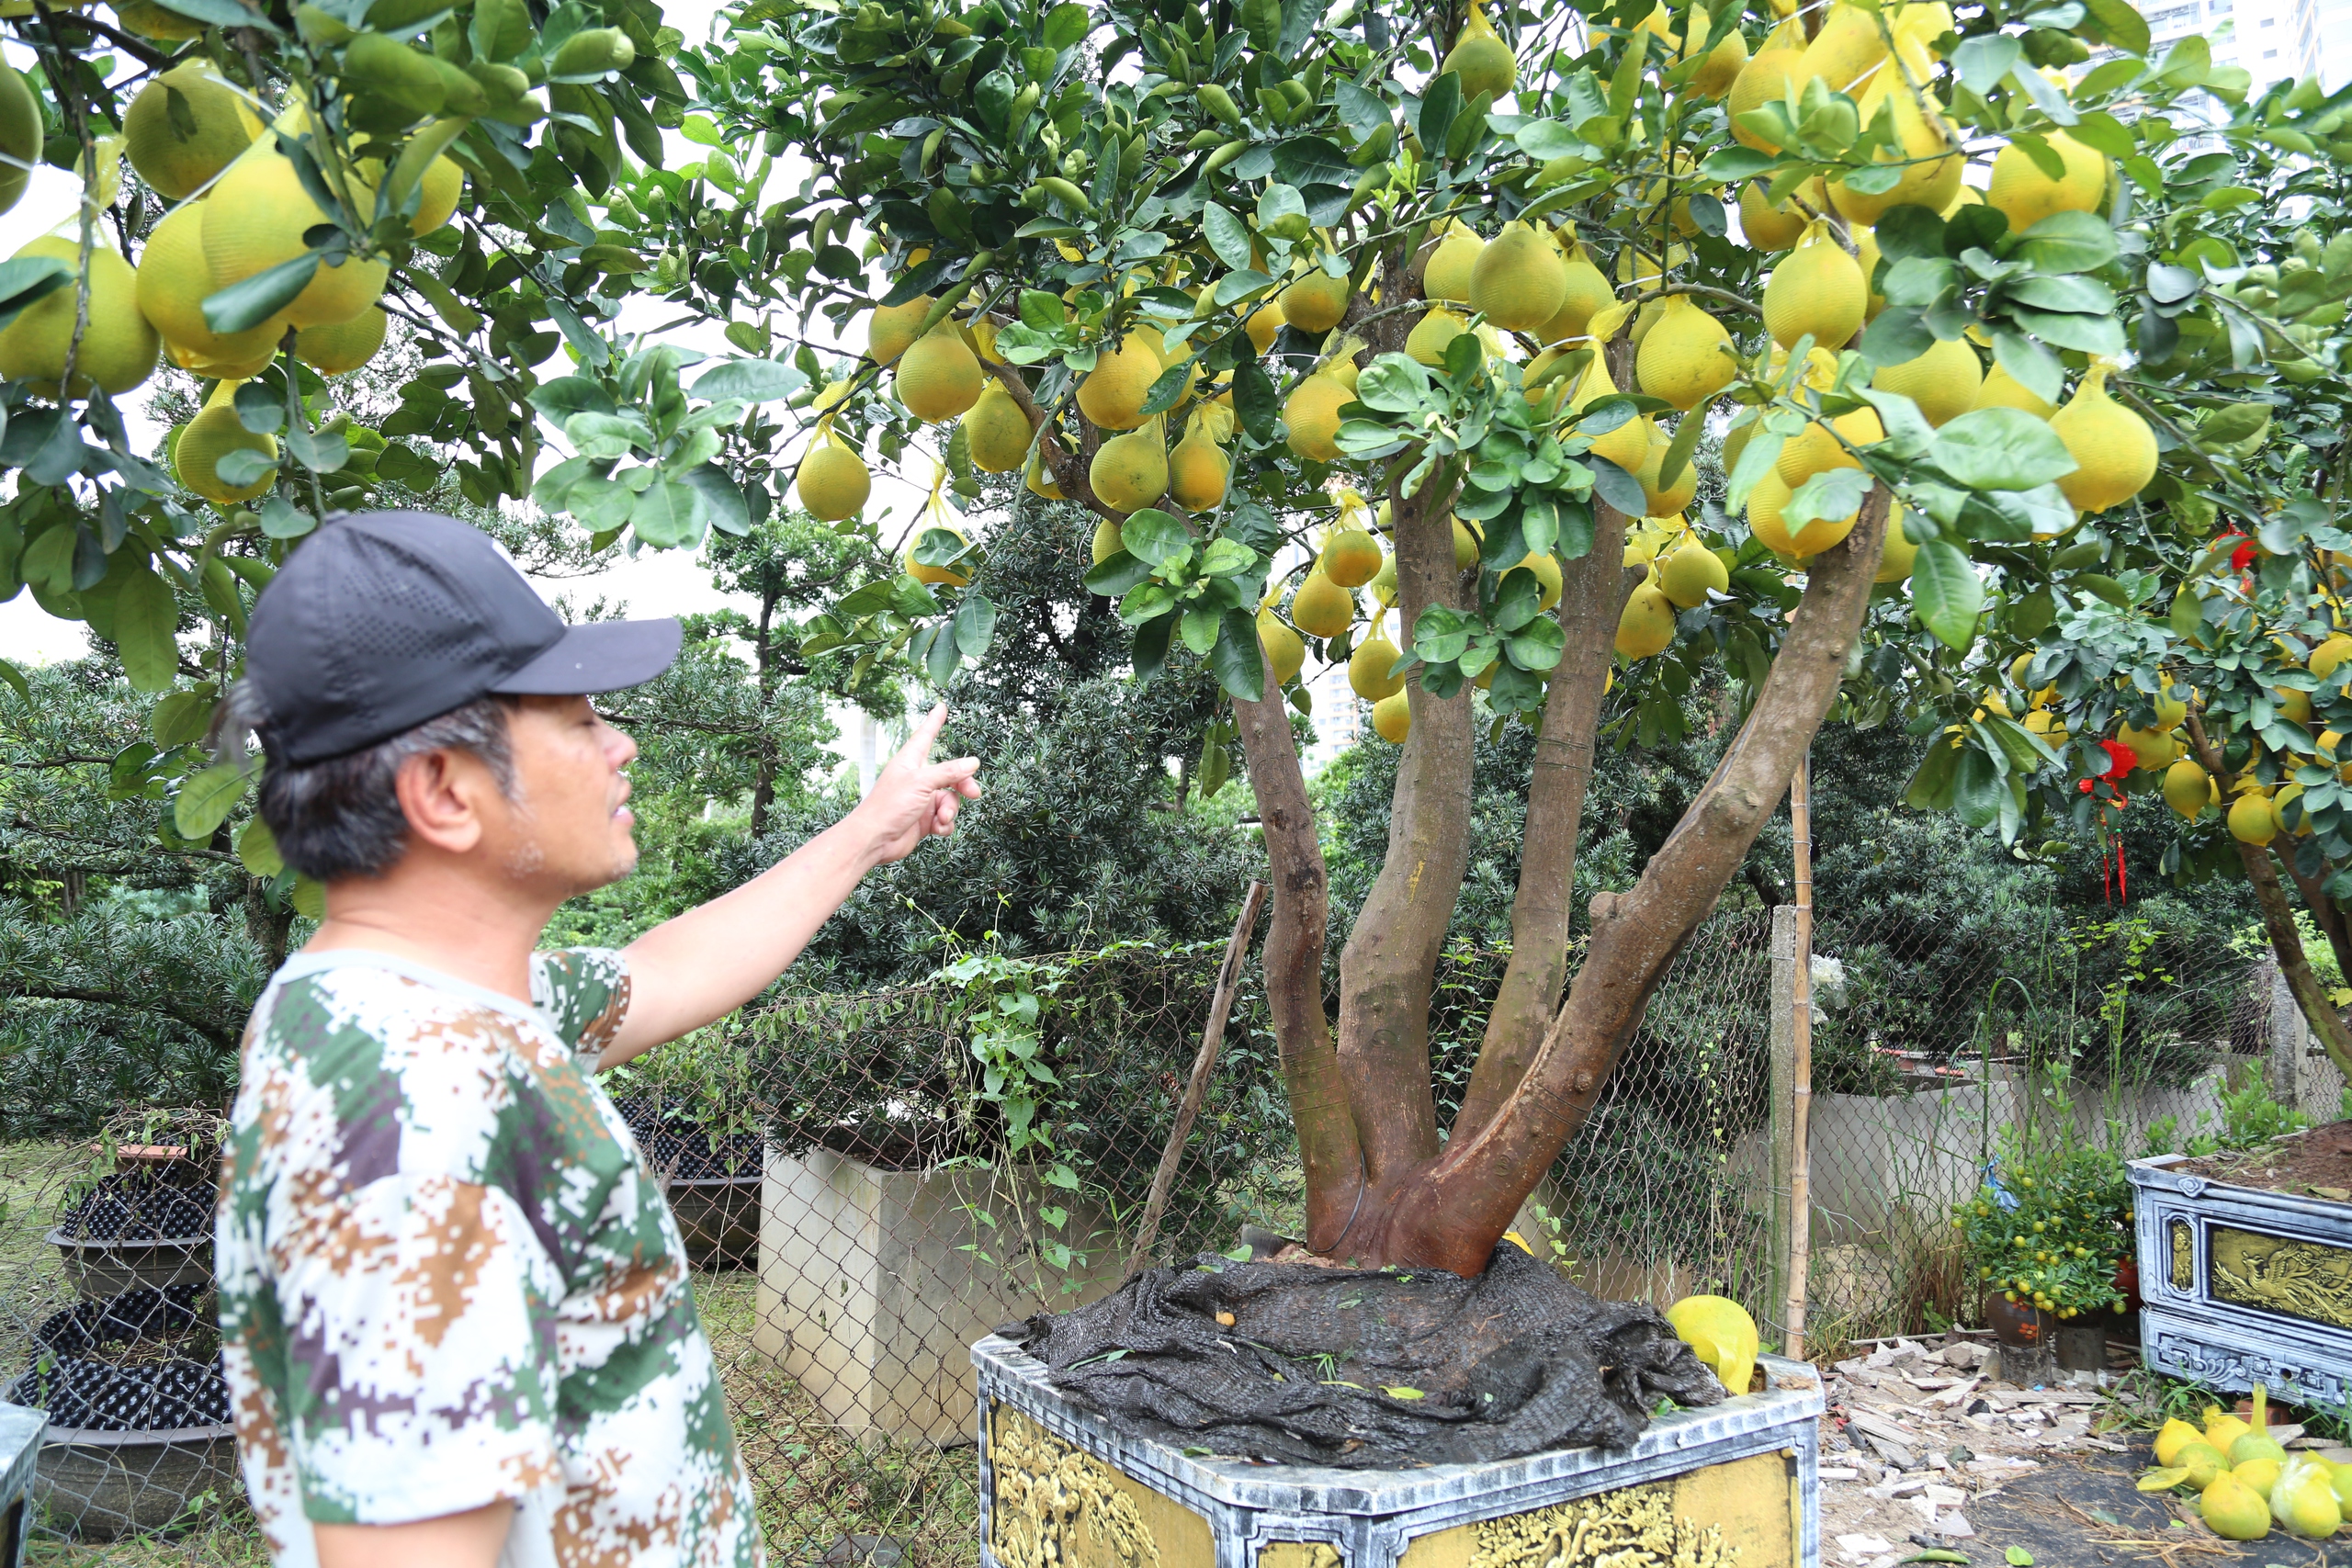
pixel 1736 1485
pixel 874 1283
pixel 20 1455
pixel 2242 1286
pixel 103 1269
pixel 105 1486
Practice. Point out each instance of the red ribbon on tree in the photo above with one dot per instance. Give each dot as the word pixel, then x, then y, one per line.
pixel 2114 880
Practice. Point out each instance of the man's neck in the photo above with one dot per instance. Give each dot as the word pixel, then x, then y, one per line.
pixel 445 917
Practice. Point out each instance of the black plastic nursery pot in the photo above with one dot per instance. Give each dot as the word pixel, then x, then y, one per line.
pixel 138 1412
pixel 137 1229
pixel 712 1180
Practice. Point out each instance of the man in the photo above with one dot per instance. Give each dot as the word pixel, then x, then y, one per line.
pixel 454 1306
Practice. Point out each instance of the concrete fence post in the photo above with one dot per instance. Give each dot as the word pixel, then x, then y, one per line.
pixel 2289 1039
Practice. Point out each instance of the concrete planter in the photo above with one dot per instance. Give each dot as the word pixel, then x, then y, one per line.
pixel 104 1485
pixel 718 1216
pixel 874 1282
pixel 19 1462
pixel 2242 1286
pixel 1734 1484
pixel 103 1269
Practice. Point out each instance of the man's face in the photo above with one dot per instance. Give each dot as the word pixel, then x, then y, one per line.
pixel 568 826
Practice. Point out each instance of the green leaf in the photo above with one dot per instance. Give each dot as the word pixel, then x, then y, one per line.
pixel 1931 783
pixel 27 280
pixel 1154 536
pixel 243 306
pixel 2121 23
pixel 1228 236
pixel 145 617
pixel 181 718
pixel 722 499
pixel 2001 449
pixel 206 800
pixel 1066 25
pixel 1947 594
pixel 2018 1556
pixel 1117 572
pixel 1237 662
pixel 321 451
pixel 975 625
pixel 667 514
pixel 753 380
pixel 258 850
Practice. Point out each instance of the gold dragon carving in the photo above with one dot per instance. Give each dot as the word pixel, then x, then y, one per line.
pixel 1634 1526
pixel 1048 1494
pixel 2184 1256
pixel 2274 1273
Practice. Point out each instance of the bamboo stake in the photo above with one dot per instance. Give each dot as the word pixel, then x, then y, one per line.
pixel 1801 1052
pixel 1228 976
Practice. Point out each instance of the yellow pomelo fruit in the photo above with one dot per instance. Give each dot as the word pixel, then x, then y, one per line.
pixel 1723 1333
pixel 1866 257
pixel 1768 227
pixel 890 329
pixel 1519 281
pixel 1690 573
pixel 2259 1475
pixel 150 20
pixel 344 347
pixel 2002 390
pixel 1431 334
pixel 2259 1444
pixel 950 576
pixel 939 377
pixel 1350 557
pixel 1482 60
pixel 1108 541
pixel 1647 623
pixel 2251 819
pixel 1944 382
pixel 1766 78
pixel 2329 654
pixel 21 135
pixel 1585 292
pixel 1847 48
pixel 1383 584
pixel 2201 1459
pixel 1688 356
pixel 2023 193
pixel 1664 502
pixel 2303 1498
pixel 1931 168
pixel 2223 1427
pixel 1130 471
pixel 118 347
pixel 1312 415
pixel 1766 503
pixel 1465 550
pixel 2113 446
pixel 2172 704
pixel 996 429
pixel 212 435
pixel 1724 63
pixel 1040 478
pixel 1264 321
pixel 2293 703
pixel 1113 394
pixel 174 278
pixel 1629 444
pixel 1198 471
pixel 255 219
pixel 176 155
pixel 1321 607
pixel 2154 749
pixel 1368 669
pixel 1392 718
pixel 1547 568
pixel 1894 563
pixel 1814 450
pixel 1285 654
pixel 834 482
pixel 2233 1510
pixel 1446 276
pixel 1315 302
pixel 437 195
pixel 1817 290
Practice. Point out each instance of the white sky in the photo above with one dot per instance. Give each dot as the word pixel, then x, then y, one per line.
pixel 659 583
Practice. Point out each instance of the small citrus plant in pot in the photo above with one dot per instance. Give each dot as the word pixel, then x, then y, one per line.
pixel 2045 1232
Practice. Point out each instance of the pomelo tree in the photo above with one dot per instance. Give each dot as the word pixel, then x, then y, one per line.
pixel 1332 311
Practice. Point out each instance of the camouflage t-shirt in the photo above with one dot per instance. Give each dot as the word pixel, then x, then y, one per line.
pixel 447 1278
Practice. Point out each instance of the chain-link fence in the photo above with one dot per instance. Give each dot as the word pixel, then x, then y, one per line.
pixel 868 1183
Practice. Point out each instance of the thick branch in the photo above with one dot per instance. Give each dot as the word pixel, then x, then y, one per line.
pixel 1328 1151
pixel 2278 920
pixel 1454 1219
pixel 210 1029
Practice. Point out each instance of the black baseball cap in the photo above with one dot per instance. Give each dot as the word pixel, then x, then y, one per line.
pixel 382 620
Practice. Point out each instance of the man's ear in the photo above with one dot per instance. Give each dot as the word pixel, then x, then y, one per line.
pixel 441 793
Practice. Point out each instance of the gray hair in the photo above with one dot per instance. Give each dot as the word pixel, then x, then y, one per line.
pixel 341 817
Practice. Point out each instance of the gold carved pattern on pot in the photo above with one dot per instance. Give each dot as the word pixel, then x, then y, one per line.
pixel 2184 1256
pixel 1055 1506
pixel 1298 1554
pixel 2274 1273
pixel 1633 1527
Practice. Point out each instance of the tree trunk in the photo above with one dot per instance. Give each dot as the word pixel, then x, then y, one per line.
pixel 1453 1213
pixel 2279 921
pixel 764 781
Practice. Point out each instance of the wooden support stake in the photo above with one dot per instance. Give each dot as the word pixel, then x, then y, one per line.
pixel 1229 979
pixel 1800 1072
